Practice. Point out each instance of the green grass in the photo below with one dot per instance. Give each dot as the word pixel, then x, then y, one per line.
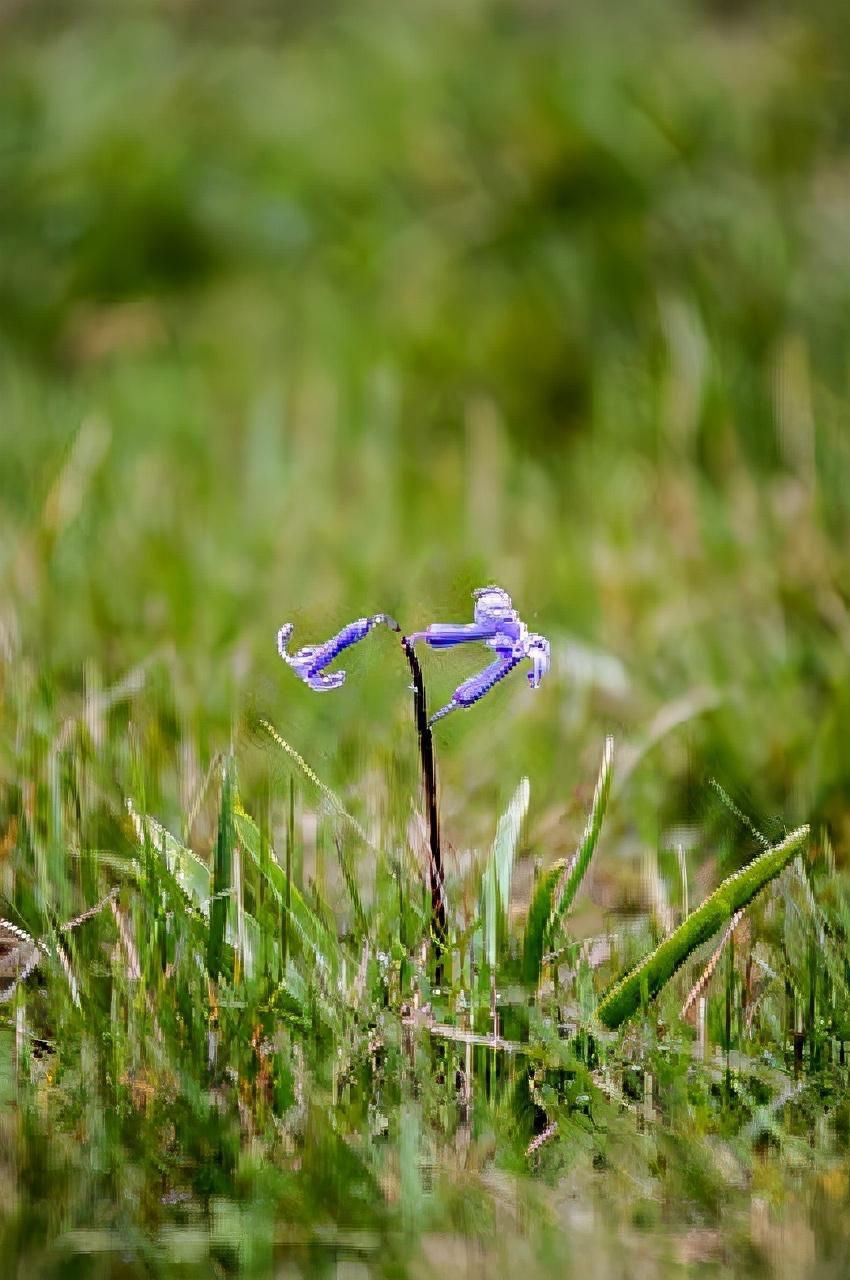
pixel 311 312
pixel 647 979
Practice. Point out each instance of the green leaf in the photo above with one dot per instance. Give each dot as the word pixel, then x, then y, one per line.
pixel 351 885
pixel 316 940
pixel 192 876
pixel 557 888
pixel 331 797
pixel 624 997
pixel 498 873
pixel 536 925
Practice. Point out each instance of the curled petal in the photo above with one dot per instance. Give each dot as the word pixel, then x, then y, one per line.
pixel 310 661
pixel 321 684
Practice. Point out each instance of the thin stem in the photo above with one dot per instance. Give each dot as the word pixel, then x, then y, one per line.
pixel 429 786
pixel 290 840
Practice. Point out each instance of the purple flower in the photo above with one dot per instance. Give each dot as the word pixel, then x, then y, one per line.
pixel 310 661
pixel 497 625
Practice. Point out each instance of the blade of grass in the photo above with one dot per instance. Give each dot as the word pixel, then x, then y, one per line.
pixel 645 981
pixel 498 873
pixel 556 890
pixel 351 885
pixel 306 924
pixel 189 872
pixel 332 798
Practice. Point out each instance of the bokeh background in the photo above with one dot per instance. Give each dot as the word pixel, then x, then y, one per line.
pixel 313 311
pixel 308 311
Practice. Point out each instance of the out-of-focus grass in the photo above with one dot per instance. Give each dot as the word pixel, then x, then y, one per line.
pixel 373 308
pixel 310 314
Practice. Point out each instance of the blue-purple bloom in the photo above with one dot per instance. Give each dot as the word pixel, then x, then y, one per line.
pixel 497 625
pixel 310 661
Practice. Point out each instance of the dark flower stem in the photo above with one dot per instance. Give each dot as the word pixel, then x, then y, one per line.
pixel 429 786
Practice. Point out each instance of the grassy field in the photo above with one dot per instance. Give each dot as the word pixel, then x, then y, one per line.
pixel 313 311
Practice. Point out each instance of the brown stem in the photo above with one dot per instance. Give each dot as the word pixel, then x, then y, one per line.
pixel 429 786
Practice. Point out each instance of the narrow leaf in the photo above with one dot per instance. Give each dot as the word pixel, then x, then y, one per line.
pixel 307 926
pixel 557 888
pixel 647 978
pixel 192 876
pixel 332 798
pixel 498 873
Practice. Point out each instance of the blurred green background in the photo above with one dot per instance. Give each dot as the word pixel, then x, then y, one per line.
pixel 308 311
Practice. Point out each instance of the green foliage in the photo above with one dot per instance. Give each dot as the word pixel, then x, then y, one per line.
pixel 644 982
pixel 557 888
pixel 317 943
pixel 496 880
pixel 190 874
